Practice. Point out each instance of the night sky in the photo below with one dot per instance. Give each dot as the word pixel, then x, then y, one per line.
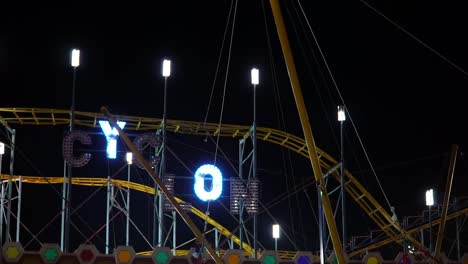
pixel 407 103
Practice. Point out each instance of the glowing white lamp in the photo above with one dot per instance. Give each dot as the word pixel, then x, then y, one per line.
pixel 75 59
pixel 166 71
pixel 341 113
pixel 276 231
pixel 255 77
pixel 2 148
pixel 276 235
pixel 129 158
pixel 430 197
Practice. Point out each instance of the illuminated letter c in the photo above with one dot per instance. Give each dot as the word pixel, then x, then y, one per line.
pixel 67 148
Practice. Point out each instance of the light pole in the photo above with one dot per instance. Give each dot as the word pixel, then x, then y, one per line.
pixel 255 81
pixel 429 204
pixel 2 151
pixel 129 158
pixel 166 72
pixel 10 182
pixel 75 62
pixel 341 119
pixel 321 221
pixel 276 235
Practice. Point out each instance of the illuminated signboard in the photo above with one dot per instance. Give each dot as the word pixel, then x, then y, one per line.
pixel 217 182
pixel 141 142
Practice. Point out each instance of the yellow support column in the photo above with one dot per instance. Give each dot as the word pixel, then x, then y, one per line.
pixel 448 190
pixel 304 117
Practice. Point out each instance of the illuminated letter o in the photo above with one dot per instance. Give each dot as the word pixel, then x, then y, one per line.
pixel 199 186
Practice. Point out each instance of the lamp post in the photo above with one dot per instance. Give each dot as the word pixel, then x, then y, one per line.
pixel 341 119
pixel 429 204
pixel 75 62
pixel 166 72
pixel 129 158
pixel 255 81
pixel 276 234
pixel 2 151
pixel 66 195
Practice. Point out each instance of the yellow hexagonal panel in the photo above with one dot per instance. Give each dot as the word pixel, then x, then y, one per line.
pixel 12 252
pixel 372 260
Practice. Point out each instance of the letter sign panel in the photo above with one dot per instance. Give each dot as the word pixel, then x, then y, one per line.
pixel 217 182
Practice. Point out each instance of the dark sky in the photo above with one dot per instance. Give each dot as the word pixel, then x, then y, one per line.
pixel 407 103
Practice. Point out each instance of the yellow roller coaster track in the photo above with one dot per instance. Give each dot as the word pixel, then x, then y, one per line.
pixel 56 117
pixel 101 182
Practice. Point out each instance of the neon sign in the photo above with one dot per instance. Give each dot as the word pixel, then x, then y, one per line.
pixel 140 142
pixel 111 137
pixel 217 182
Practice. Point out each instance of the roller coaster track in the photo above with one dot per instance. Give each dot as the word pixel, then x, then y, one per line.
pixel 57 117
pixel 102 182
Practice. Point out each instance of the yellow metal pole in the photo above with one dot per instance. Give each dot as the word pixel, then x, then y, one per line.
pixel 448 190
pixel 199 236
pixel 306 128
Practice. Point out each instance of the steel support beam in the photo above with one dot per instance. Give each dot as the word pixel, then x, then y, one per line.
pixel 127 207
pixel 309 139
pixel 2 210
pixel 448 190
pixel 18 212
pixel 10 184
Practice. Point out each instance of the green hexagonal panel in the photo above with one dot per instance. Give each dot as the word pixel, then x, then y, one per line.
pixel 50 253
pixel 269 259
pixel 161 255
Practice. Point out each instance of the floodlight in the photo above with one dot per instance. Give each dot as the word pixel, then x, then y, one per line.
pixel 430 197
pixel 129 158
pixel 341 113
pixel 2 148
pixel 255 78
pixel 276 231
pixel 166 71
pixel 75 60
